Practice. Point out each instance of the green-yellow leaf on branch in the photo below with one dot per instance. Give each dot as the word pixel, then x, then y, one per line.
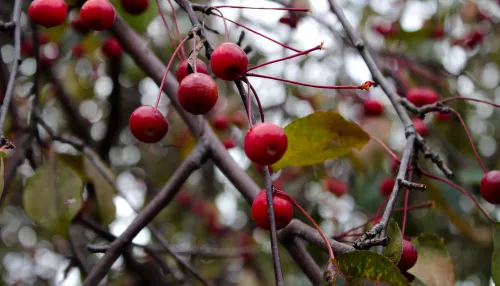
pixel 394 250
pixel 367 267
pixel 434 266
pixel 320 136
pixel 53 196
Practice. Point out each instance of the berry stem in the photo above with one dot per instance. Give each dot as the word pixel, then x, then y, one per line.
pixel 469 99
pixel 249 104
pixel 257 33
pixel 287 196
pixel 364 86
pixel 393 155
pixel 457 114
pixel 428 204
pixel 318 47
pixel 265 8
pixel 164 20
pixel 174 14
pixel 261 110
pixel 167 69
pixel 444 180
pixel 405 211
pixel 225 22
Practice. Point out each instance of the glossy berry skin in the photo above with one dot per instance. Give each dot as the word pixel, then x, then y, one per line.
pixel 335 186
pixel 490 187
pixel 283 211
pixel 386 186
pixel 147 124
pixel 372 107
pixel 112 49
pixel 229 143
pixel 135 7
pixel 48 13
pixel 421 96
pixel 79 25
pixel 220 122
pixel 408 257
pixel 229 61
pixel 98 15
pixel 182 70
pixel 421 127
pixel 265 143
pixel 197 93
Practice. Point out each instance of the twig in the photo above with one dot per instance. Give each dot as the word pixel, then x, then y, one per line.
pixel 189 165
pixel 186 6
pixel 77 247
pixel 302 258
pixel 16 19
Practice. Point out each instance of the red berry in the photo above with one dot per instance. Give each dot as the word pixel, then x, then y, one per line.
pixel 147 124
pixel 438 33
pixel 283 211
pixel 79 25
pixel 229 61
pixel 199 208
pixel 239 119
pixel 490 187
pixel 135 7
pixel 384 29
pixel 443 116
pixel 372 107
pixel 386 186
pixel 27 48
pixel 184 198
pixel 220 122
pixel 198 93
pixel 48 13
pixel 265 143
pixel 421 127
pixel 335 186
pixel 229 143
pixel 182 69
pixel 420 96
pixel 78 51
pixel 98 15
pixel 408 257
pixel 112 49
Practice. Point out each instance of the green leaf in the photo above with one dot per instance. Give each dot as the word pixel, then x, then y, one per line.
pixel 434 266
pixel 368 267
pixel 394 250
pixel 318 137
pixel 53 196
pixel 139 22
pixel 103 190
pixel 495 258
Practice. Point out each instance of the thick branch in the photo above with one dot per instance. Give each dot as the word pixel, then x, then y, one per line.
pixel 192 162
pixel 16 19
pixel 302 258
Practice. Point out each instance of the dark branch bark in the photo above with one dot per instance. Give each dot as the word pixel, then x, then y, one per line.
pixel 299 253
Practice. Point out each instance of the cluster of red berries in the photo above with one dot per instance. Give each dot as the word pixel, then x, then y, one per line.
pixel 97 15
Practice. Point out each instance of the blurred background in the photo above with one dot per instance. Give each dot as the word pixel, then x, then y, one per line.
pixel 447 45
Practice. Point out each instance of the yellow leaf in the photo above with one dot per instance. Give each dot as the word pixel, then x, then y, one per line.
pixel 320 136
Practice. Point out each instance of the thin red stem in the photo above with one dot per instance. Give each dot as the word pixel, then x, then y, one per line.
pixel 444 180
pixel 393 155
pixel 364 86
pixel 166 71
pixel 469 99
pixel 249 104
pixel 421 206
pixel 261 110
pixel 174 14
pixel 225 22
pixel 167 27
pixel 328 246
pixel 405 211
pixel 470 141
pixel 266 8
pixel 257 33
pixel 318 47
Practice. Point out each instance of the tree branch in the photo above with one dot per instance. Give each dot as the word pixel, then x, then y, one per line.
pixel 189 165
pixel 16 19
